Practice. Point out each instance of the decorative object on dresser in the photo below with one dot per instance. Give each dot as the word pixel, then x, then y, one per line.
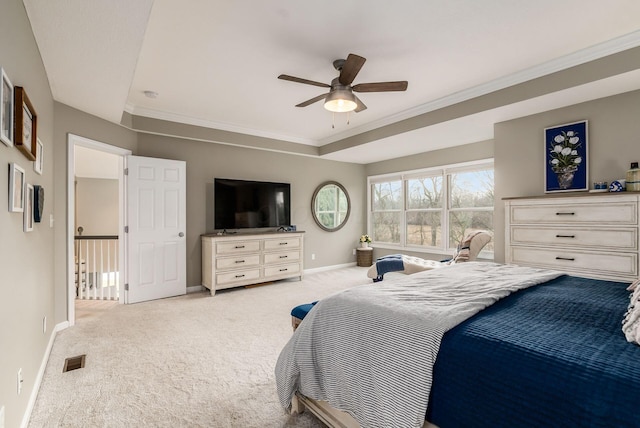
pixel 633 178
pixel 245 259
pixel 594 236
pixel 566 166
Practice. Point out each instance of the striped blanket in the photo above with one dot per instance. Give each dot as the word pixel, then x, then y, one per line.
pixel 370 350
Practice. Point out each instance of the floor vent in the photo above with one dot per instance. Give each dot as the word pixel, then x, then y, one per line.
pixel 73 363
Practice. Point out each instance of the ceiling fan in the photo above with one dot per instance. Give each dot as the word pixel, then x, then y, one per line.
pixel 340 97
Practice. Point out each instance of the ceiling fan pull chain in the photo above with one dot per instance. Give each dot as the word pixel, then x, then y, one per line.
pixel 348 118
pixel 333 120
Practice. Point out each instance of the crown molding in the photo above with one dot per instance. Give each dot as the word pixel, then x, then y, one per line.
pixel 172 117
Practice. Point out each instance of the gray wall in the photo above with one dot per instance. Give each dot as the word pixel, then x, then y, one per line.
pixel 205 161
pixel 26 259
pixel 614 142
pixel 97 206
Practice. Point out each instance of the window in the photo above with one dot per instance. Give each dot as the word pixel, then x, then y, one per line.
pixel 433 209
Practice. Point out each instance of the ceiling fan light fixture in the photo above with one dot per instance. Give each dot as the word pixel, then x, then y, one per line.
pixel 340 101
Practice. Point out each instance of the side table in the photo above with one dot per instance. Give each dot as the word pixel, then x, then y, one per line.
pixel 364 256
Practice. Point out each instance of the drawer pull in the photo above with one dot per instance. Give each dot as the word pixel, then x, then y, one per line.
pixel 239 261
pixel 571 259
pixel 565 213
pixel 284 270
pixel 283 243
pixel 565 236
pixel 283 257
pixel 240 276
pixel 239 246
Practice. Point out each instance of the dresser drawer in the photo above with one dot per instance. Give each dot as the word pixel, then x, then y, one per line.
pixel 237 276
pixel 615 213
pixel 283 257
pixel 238 262
pixel 619 238
pixel 614 265
pixel 288 269
pixel 281 244
pixel 236 247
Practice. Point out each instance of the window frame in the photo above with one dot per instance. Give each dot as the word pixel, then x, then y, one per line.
pixel 445 172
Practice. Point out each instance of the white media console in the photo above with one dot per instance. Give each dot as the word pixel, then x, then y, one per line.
pixel 244 259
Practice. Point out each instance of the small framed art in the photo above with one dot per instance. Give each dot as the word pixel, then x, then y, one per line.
pixel 37 164
pixel 26 120
pixel 28 208
pixel 566 156
pixel 16 188
pixel 6 110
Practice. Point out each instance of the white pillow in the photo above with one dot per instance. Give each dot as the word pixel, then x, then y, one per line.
pixel 631 321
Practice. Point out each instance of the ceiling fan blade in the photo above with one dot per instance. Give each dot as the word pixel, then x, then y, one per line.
pixel 350 69
pixel 312 100
pixel 381 86
pixel 360 105
pixel 305 81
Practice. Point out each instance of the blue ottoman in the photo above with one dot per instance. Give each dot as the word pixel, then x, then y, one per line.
pixel 299 312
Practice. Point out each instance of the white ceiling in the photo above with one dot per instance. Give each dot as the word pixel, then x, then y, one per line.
pixel 215 63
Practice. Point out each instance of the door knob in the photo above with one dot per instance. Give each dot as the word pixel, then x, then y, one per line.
pixel 181 234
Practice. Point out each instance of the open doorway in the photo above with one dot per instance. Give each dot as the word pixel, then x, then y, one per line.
pixel 95 218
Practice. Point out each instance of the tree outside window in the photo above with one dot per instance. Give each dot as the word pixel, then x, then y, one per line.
pixel 434 209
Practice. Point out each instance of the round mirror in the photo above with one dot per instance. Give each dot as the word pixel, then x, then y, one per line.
pixel 330 206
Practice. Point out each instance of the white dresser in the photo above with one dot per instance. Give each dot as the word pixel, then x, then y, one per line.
pixel 589 235
pixel 235 260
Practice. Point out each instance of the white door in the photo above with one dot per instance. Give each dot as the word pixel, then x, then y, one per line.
pixel 156 243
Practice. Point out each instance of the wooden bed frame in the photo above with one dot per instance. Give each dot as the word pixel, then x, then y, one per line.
pixel 330 416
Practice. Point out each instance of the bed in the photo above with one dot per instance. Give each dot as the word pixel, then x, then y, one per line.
pixel 550 352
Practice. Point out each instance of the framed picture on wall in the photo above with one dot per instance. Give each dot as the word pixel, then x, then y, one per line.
pixel 28 208
pixel 37 164
pixel 26 130
pixel 16 188
pixel 6 110
pixel 566 157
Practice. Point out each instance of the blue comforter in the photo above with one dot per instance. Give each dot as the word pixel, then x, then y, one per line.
pixel 553 355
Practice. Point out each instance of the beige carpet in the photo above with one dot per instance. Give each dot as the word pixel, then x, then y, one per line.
pixel 190 361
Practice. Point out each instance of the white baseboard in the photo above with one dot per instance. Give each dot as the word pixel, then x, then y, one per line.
pixel 325 268
pixel 40 375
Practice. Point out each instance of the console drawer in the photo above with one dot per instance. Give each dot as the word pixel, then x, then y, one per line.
pixel 619 238
pixel 580 262
pixel 238 262
pixel 273 258
pixel 281 244
pixel 236 247
pixel 575 213
pixel 237 276
pixel 288 269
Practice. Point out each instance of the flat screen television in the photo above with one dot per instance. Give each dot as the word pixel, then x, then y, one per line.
pixel 242 204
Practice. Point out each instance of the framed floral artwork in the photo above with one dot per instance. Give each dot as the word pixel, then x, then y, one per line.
pixel 566 156
pixel 6 109
pixel 25 132
pixel 28 208
pixel 16 188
